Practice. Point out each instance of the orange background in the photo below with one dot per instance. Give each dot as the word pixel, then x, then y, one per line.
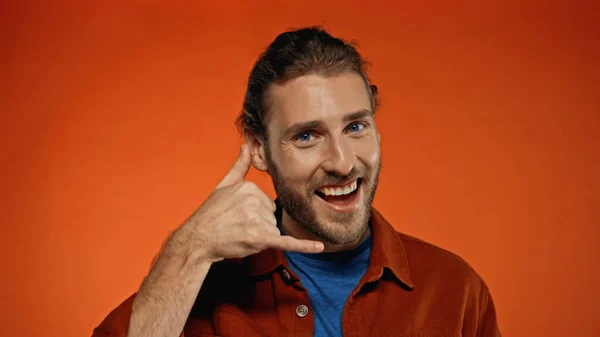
pixel 117 121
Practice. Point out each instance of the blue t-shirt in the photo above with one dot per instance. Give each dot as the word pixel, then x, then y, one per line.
pixel 329 279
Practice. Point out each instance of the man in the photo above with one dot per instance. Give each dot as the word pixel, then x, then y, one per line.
pixel 319 261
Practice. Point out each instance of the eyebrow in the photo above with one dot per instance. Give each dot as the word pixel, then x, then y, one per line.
pixel 358 115
pixel 299 127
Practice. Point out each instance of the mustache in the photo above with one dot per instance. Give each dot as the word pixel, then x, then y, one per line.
pixel 332 178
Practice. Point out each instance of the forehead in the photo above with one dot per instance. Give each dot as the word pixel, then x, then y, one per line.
pixel 316 97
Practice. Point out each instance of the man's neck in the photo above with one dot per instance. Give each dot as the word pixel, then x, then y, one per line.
pixel 290 227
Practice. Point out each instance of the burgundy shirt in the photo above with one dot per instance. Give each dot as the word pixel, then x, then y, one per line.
pixel 411 288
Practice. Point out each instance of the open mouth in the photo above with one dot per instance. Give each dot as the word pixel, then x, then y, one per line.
pixel 340 196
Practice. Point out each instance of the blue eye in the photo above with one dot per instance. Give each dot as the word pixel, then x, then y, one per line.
pixel 304 137
pixel 355 127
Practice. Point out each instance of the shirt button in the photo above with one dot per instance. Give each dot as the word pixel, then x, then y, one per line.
pixel 302 310
pixel 286 275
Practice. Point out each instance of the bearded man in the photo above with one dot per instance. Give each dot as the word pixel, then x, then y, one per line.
pixel 318 260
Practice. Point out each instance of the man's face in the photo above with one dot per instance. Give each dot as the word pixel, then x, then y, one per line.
pixel 323 154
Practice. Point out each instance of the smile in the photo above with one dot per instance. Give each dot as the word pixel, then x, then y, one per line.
pixel 340 198
pixel 339 190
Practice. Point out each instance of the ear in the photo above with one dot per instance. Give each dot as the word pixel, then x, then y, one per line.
pixel 257 150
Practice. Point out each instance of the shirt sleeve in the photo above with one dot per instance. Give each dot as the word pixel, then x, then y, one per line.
pixel 488 325
pixel 116 323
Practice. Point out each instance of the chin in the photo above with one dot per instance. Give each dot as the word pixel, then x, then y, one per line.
pixel 340 228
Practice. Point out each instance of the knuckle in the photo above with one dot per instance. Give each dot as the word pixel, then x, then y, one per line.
pixel 254 218
pixel 252 202
pixel 250 232
pixel 252 235
pixel 273 230
pixel 249 186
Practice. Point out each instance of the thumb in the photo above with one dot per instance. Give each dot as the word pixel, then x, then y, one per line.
pixel 239 169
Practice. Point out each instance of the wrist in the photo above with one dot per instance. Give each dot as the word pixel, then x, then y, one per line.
pixel 183 244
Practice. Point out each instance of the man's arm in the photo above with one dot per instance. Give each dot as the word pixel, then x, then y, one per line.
pixel 164 300
pixel 235 221
pixel 488 324
pixel 167 295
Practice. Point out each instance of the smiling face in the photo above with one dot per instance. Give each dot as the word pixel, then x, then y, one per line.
pixel 323 155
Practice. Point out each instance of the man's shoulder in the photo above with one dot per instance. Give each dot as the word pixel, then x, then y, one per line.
pixel 430 262
pixel 433 252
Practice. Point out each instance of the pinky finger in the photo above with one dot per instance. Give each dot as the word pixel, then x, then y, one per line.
pixel 292 244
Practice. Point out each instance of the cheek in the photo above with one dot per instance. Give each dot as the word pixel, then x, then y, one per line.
pixel 368 151
pixel 298 166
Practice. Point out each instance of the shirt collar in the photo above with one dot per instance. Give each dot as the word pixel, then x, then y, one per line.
pixel 387 252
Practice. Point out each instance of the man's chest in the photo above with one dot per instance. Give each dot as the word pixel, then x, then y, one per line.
pixel 383 308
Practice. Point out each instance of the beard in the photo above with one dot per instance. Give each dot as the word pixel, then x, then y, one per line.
pixel 299 207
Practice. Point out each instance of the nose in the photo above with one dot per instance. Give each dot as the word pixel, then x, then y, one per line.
pixel 339 157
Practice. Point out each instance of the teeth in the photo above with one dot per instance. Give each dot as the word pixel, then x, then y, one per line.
pixel 339 190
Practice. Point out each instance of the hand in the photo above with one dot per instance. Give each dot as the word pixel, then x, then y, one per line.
pixel 237 220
